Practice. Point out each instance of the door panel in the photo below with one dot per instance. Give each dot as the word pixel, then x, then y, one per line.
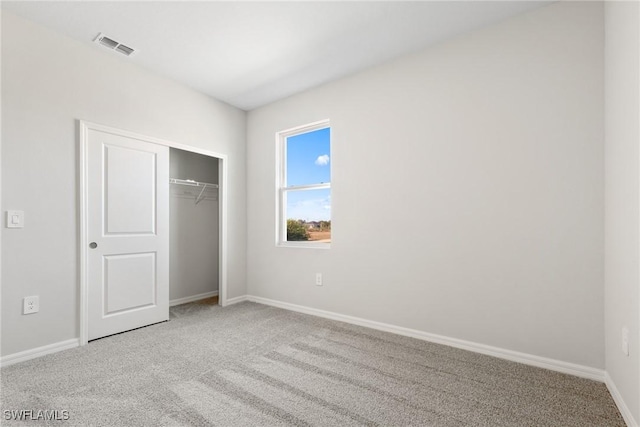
pixel 131 282
pixel 128 220
pixel 130 180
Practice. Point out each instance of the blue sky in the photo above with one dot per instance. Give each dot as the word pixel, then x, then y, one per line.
pixel 309 158
pixel 309 162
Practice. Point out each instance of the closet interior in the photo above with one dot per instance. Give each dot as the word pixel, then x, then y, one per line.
pixel 194 224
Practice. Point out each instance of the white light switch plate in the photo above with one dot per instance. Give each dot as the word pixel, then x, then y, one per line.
pixel 15 219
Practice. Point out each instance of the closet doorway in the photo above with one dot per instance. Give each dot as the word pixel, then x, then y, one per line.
pixel 194 227
pixel 183 189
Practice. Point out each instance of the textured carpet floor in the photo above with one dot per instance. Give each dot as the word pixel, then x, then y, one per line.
pixel 253 365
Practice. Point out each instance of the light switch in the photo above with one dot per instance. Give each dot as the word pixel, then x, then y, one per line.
pixel 15 219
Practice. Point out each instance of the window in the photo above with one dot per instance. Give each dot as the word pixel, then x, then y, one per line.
pixel 304 186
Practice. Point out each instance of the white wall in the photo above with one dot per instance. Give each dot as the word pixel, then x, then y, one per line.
pixel 467 190
pixel 194 166
pixel 622 214
pixel 194 240
pixel 49 81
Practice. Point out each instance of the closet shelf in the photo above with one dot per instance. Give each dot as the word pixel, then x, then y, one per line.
pixel 192 183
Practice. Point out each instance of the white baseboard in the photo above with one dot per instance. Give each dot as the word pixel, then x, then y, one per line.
pixel 514 356
pixel 39 351
pixel 192 298
pixel 236 300
pixel 620 403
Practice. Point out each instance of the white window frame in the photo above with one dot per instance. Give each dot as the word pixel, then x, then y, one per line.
pixel 282 189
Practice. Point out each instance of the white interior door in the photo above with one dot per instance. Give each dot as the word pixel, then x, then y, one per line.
pixel 127 233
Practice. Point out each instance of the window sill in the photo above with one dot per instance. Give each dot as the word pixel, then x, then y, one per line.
pixel 304 245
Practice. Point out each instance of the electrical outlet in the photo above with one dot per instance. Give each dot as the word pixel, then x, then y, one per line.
pixel 31 305
pixel 318 279
pixel 625 341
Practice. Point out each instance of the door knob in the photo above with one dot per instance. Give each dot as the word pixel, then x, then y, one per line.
pixel 93 245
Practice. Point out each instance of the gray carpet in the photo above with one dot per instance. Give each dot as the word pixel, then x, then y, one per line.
pixel 253 365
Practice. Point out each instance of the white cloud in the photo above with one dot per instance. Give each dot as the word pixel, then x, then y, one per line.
pixel 322 160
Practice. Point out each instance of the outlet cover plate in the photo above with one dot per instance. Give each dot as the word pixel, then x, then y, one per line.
pixel 31 305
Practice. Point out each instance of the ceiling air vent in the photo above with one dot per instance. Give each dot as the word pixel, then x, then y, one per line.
pixel 112 44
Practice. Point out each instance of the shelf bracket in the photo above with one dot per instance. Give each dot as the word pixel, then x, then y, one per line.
pixel 200 196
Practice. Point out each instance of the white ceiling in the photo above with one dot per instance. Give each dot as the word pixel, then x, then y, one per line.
pixel 249 54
